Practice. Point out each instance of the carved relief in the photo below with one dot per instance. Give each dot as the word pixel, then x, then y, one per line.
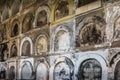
pixel 26 48
pixel 42 44
pixel 12 73
pixel 42 72
pixel 84 2
pixel 13 50
pixel 26 72
pixel 63 70
pixel 62 9
pixel 42 18
pixel 27 23
pixel 92 32
pixel 62 41
pixel 90 70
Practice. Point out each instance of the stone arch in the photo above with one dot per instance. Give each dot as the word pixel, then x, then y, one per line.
pixel 31 45
pixel 15 7
pixel 91 31
pixel 15 28
pixel 12 73
pixel 46 17
pixel 114 63
pixel 61 11
pixel 3 72
pixel 27 22
pixel 94 67
pixel 42 43
pixel 89 56
pixel 14 51
pixel 4 52
pixel 68 36
pixel 64 71
pixel 26 70
pixel 42 69
pixel 5 13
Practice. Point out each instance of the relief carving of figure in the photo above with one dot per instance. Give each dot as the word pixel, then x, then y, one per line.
pixel 92 32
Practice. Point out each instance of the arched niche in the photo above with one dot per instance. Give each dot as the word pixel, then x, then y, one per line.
pixel 62 41
pixel 42 44
pixel 42 72
pixel 5 13
pixel 15 28
pixel 26 71
pixel 12 73
pixel 90 70
pixel 91 31
pixel 14 51
pixel 63 69
pixel 15 7
pixel 27 23
pixel 61 9
pixel 62 38
pixel 4 52
pixel 84 2
pixel 99 60
pixel 26 47
pixel 3 73
pixel 42 16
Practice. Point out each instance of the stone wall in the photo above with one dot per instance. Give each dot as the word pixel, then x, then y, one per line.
pixel 60 40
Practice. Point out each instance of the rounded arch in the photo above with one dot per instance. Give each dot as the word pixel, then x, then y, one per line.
pixel 37 13
pixel 26 70
pixel 15 28
pixel 91 31
pixel 56 9
pixel 14 51
pixel 27 22
pixel 114 63
pixel 31 45
pixel 68 36
pixel 12 73
pixel 61 11
pixel 3 72
pixel 66 69
pixel 42 69
pixel 89 56
pixel 42 43
pixel 117 71
pixel 15 7
pixel 90 69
